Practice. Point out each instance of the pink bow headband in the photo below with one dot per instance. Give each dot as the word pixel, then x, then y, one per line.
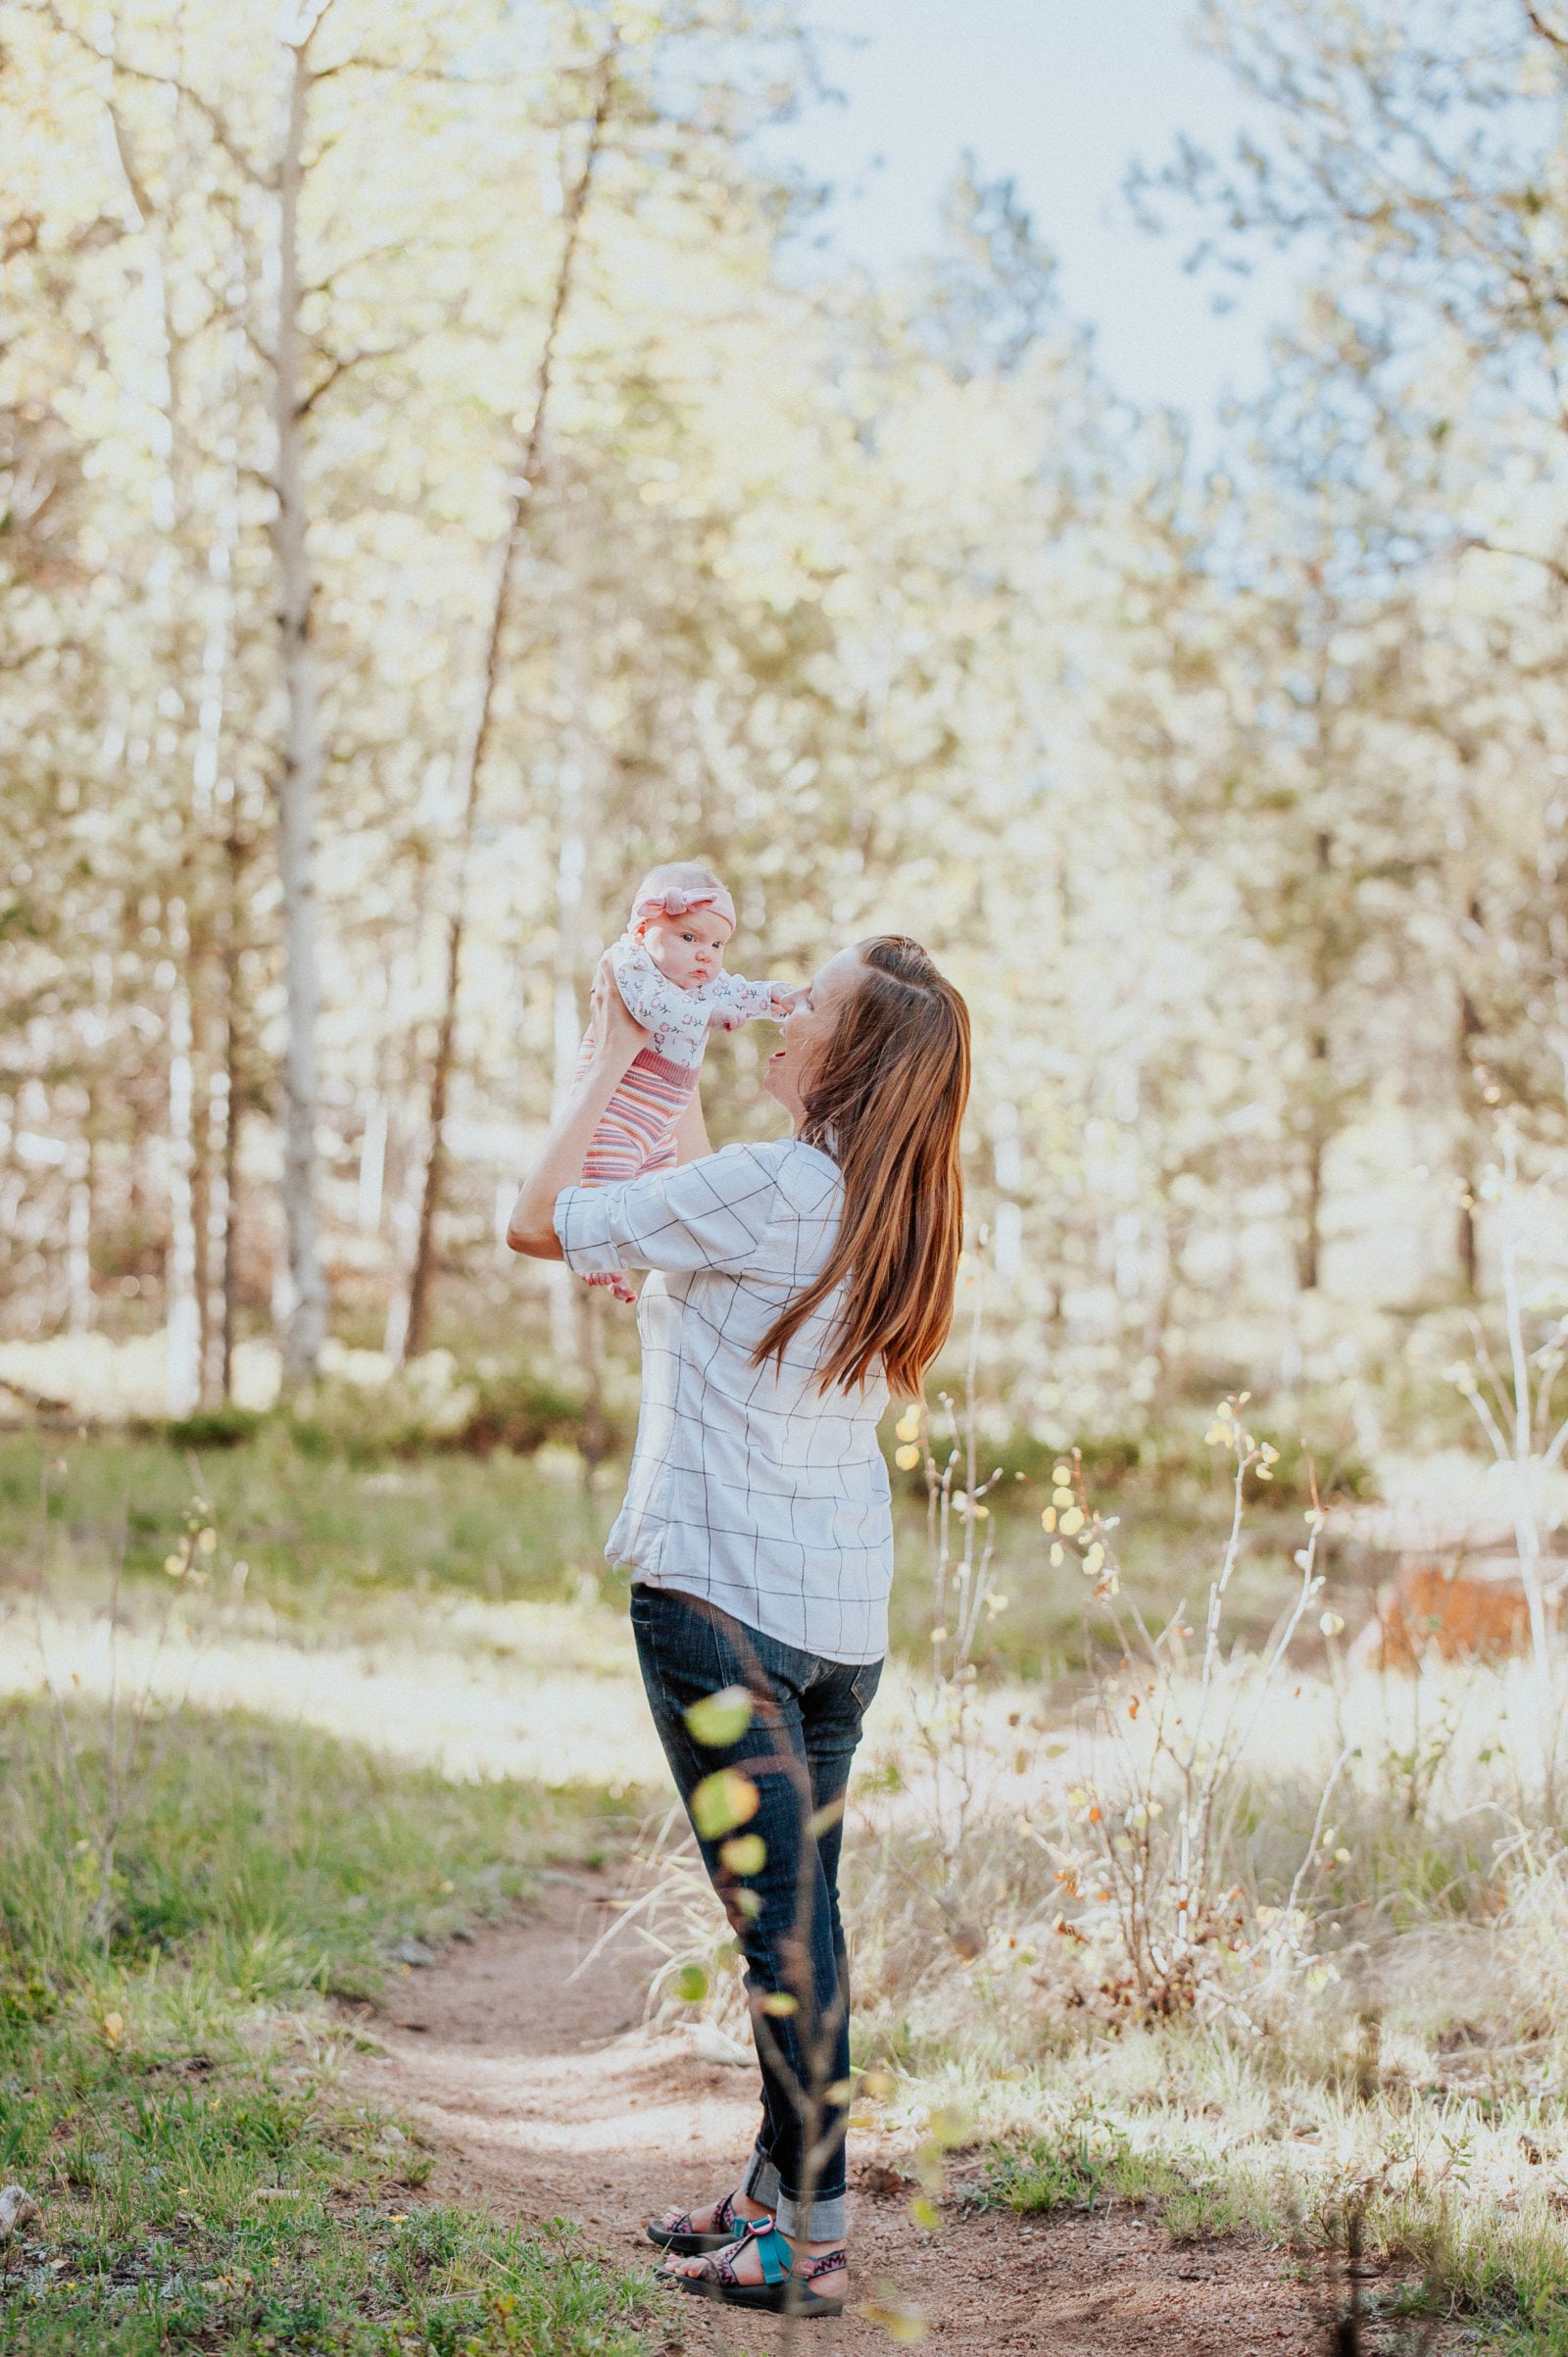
pixel 675 900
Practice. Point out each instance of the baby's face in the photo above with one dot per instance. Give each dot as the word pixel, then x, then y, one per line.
pixel 688 950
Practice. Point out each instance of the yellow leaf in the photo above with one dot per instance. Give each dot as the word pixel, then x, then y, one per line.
pixel 924 2212
pixel 1061 1475
pixel 747 1853
pixel 1048 1520
pixel 897 2318
pixel 1061 1495
pixel 1074 1521
pixel 780 2004
pixel 174 1565
pixel 907 1457
pixel 721 1802
pixel 114 2029
pixel 720 1719
pixel 907 1426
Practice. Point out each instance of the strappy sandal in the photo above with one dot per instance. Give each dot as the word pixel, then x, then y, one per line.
pixel 683 2240
pixel 785 2289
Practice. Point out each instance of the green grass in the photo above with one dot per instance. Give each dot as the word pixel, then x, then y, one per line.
pixel 317 1528
pixel 500 1527
pixel 171 2080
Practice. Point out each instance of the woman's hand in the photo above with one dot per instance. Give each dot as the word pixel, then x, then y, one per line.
pixel 618 1038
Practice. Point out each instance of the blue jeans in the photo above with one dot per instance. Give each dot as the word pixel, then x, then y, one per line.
pixel 805 1724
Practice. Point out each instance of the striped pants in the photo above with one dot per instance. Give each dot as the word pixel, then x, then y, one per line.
pixel 636 1134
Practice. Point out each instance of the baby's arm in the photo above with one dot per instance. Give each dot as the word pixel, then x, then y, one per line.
pixel 732 1000
pixel 647 996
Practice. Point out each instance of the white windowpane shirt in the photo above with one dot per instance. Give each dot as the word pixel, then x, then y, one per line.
pixel 749 1487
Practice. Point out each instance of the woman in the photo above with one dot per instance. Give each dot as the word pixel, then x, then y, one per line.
pixel 796 1282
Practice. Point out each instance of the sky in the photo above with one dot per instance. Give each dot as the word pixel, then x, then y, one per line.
pixel 1059 95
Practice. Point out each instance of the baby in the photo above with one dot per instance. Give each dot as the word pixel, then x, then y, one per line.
pixel 668 967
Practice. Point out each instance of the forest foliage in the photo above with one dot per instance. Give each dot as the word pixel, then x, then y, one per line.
pixel 433 488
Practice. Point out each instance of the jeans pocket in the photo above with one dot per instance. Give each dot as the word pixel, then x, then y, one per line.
pixel 865 1682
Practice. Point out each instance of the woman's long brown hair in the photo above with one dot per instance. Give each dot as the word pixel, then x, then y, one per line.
pixel 886 1103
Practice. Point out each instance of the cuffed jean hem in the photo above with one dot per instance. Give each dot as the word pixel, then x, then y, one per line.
pixel 825 2219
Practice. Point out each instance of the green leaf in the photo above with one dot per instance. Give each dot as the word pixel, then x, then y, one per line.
pixel 722 1802
pixel 691 1984
pixel 721 1719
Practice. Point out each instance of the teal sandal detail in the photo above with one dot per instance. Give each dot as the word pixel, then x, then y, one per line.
pixel 784 2290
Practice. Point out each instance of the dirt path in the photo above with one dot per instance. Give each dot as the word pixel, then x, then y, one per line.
pixel 546 2097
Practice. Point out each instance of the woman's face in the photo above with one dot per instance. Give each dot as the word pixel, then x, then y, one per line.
pixel 806 1030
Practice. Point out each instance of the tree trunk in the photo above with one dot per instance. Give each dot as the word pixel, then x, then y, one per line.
pixel 182 1309
pixel 576 815
pixel 1467 1238
pixel 80 1306
pixel 1320 1082
pixel 1310 1252
pixel 467 766
pixel 233 1107
pixel 299 783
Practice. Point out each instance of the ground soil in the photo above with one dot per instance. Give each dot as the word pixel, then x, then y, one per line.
pixel 545 2096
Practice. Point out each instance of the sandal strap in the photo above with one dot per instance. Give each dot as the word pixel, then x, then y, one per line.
pixel 719 2267
pixel 827 2264
pixel 771 2248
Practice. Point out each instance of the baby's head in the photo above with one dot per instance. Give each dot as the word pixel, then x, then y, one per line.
pixel 683 917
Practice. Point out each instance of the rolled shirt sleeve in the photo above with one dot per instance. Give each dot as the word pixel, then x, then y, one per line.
pixel 714 1213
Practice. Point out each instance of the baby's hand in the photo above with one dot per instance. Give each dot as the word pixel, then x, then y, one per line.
pixel 785 999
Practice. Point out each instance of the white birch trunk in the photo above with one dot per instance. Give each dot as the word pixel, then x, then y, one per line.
pixel 298 784
pixel 183 1382
pixel 372 1166
pixel 80 1306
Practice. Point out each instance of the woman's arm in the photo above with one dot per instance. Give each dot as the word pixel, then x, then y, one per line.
pixel 692 1140
pixel 617 1039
